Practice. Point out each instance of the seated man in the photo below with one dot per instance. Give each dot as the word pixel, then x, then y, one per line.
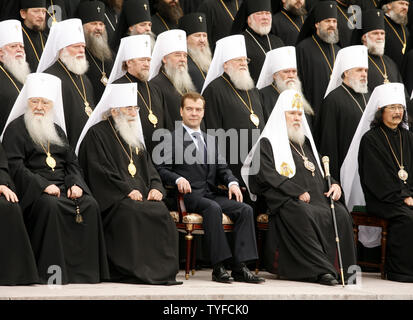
pixel 17 261
pixel 141 237
pixel 62 218
pixel 198 182
pixel 290 179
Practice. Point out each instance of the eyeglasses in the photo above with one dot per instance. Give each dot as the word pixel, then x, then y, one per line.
pixel 395 108
pixel 243 60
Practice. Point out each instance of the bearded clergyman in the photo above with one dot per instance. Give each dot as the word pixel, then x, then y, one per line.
pixel 141 237
pixel 62 218
pixel 284 169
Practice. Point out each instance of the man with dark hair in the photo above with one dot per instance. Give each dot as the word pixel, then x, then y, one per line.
pixel 168 13
pixel 197 177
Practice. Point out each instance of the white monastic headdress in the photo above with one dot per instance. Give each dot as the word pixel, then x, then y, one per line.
pixel 39 85
pixel 114 96
pixel 62 34
pixel 227 48
pixel 276 132
pixel 347 58
pixel 276 60
pixel 166 43
pixel 383 95
pixel 10 32
pixel 138 46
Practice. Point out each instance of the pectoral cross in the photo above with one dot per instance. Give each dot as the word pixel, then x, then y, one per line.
pixel 200 19
pixel 378 14
pixel 146 7
pixel 98 8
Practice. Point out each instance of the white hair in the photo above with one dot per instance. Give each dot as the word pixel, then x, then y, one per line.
pixel 19 68
pixel 240 78
pixel 128 129
pixel 74 64
pixel 180 77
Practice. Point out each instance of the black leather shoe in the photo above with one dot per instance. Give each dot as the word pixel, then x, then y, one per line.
pixel 327 279
pixel 220 274
pixel 243 274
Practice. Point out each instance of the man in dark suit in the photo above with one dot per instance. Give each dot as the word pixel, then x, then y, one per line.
pixel 196 167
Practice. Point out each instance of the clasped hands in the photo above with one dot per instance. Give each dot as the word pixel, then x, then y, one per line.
pixel 153 194
pixel 335 192
pixel 74 192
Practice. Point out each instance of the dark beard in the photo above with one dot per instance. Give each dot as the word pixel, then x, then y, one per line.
pixel 39 28
pixel 297 12
pixel 171 13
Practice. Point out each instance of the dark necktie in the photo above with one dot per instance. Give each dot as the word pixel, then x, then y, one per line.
pixel 202 150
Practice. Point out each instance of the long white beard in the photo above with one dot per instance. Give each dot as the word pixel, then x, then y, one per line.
pixel 329 37
pixel 19 68
pixel 296 85
pixel 398 18
pixel 42 128
pixel 358 86
pixel 76 65
pixel 98 45
pixel 202 57
pixel 261 30
pixel 128 130
pixel 296 135
pixel 240 78
pixel 180 78
pixel 375 47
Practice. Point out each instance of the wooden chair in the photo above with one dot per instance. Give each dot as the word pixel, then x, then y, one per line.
pixel 262 225
pixel 191 223
pixel 362 218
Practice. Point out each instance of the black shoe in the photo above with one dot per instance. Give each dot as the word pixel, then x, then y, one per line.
pixel 220 274
pixel 327 279
pixel 243 274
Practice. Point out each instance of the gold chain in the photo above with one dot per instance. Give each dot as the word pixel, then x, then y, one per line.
pixel 345 16
pixel 121 144
pixel 391 149
pixel 12 81
pixel 259 45
pixel 275 88
pixel 302 150
pixel 384 74
pixel 291 20
pixel 163 21
pixel 31 43
pixel 199 68
pixel 358 104
pixel 102 71
pixel 226 8
pixel 84 97
pixel 52 16
pixel 325 57
pixel 403 42
pixel 239 96
pixel 149 107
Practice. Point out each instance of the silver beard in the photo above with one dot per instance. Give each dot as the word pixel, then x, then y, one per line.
pixel 296 135
pixel 328 37
pixel 398 18
pixel 202 57
pixel 98 45
pixel 180 78
pixel 128 130
pixel 240 78
pixel 375 48
pixel 42 129
pixel 261 30
pixel 358 86
pixel 19 68
pixel 77 66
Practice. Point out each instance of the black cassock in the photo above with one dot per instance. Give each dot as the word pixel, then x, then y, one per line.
pixel 384 193
pixel 313 69
pixel 257 46
pixel 197 75
pixel 219 21
pixel 344 26
pixel 161 24
pixel 34 42
pixel 406 70
pixel 159 109
pixel 171 96
pixel 56 238
pixel 301 235
pixel 95 73
pixel 336 124
pixel 141 237
pixel 73 103
pixel 269 96
pixel 285 29
pixel 8 94
pixel 224 109
pixel 375 76
pixel 17 265
pixel 395 35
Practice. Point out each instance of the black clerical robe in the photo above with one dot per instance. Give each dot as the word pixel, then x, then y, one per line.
pixel 301 239
pixel 161 24
pixel 345 25
pixel 313 69
pixel 73 102
pixel 34 42
pixel 384 193
pixel 171 96
pixel 407 72
pixel 10 89
pixel 111 22
pixel 224 109
pixel 153 98
pixel 336 124
pixel 219 20
pixel 269 96
pixel 257 46
pixel 197 74
pixel 78 249
pixel 95 73
pixel 287 28
pixel 396 35
pixel 376 71
pixel 17 266
pixel 141 237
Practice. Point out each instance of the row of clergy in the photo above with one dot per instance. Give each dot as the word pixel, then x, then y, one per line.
pixel 105 220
